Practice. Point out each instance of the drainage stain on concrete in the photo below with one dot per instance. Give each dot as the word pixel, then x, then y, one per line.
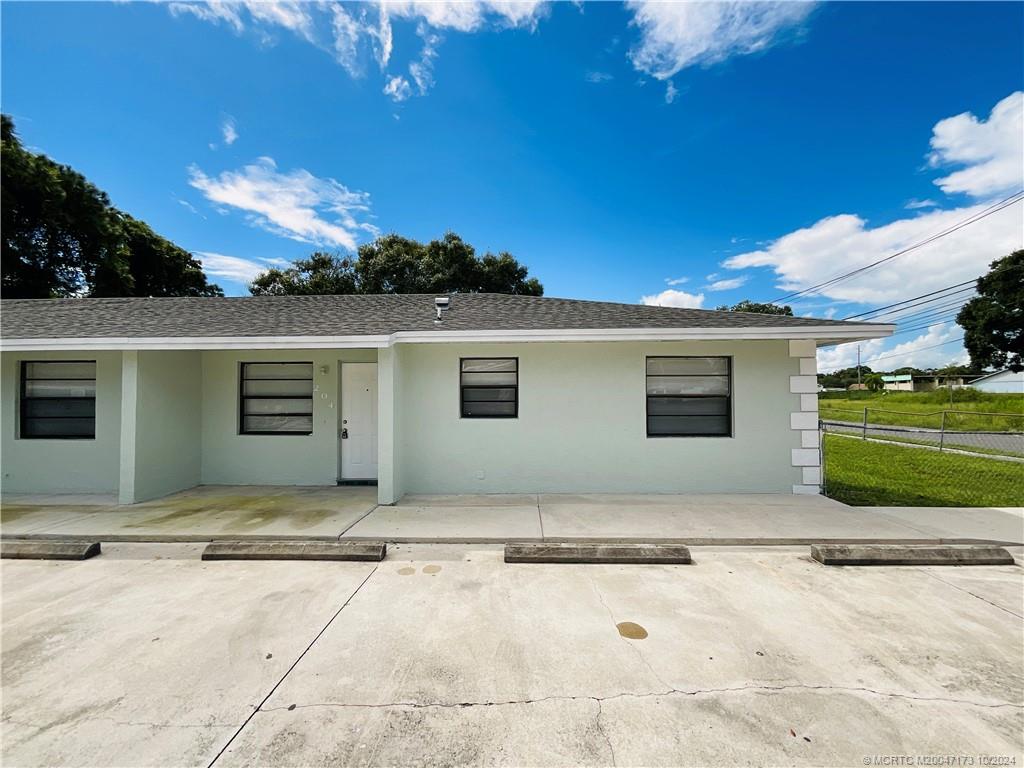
pixel 11 512
pixel 245 512
pixel 407 571
pixel 432 569
pixel 631 631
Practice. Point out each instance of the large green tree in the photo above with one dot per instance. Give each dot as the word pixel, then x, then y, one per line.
pixel 757 307
pixel 396 264
pixel 993 321
pixel 61 237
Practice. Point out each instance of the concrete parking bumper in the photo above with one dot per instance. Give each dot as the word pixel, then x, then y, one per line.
pixel 597 552
pixel 896 554
pixel 363 551
pixel 48 550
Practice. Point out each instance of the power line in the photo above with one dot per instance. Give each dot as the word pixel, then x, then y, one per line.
pixel 912 351
pixel 925 326
pixel 915 298
pixel 922 313
pixel 969 289
pixel 994 208
pixel 947 292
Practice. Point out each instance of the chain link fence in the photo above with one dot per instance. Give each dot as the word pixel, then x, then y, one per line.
pixel 945 458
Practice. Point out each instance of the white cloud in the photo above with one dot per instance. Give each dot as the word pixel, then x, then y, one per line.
pixel 674 36
pixel 728 284
pixel 935 347
pixel 467 15
pixel 914 204
pixel 296 205
pixel 673 298
pixel 350 33
pixel 992 150
pixel 598 77
pixel 346 33
pixel 838 244
pixel 214 11
pixel 676 280
pixel 670 92
pixel 398 88
pixel 422 70
pixel 235 268
pixel 229 130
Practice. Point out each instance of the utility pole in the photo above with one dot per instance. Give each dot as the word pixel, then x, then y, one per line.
pixel 858 366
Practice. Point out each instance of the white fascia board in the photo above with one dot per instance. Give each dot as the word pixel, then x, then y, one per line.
pixel 823 335
pixel 197 342
pixel 832 333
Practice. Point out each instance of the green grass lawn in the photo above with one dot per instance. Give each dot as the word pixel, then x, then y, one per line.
pixel 873 474
pixel 924 409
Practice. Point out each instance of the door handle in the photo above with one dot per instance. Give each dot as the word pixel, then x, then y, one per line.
pixel 344 434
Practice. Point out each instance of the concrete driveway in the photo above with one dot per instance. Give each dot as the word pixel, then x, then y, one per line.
pixel 444 655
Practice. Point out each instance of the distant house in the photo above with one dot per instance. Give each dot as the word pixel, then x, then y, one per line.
pixel 468 393
pixel 900 382
pixel 925 382
pixel 1000 381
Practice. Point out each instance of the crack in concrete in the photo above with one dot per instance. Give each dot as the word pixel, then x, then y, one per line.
pixel 540 517
pixel 632 645
pixel 141 723
pixel 597 720
pixel 294 664
pixel 972 594
pixel 649 694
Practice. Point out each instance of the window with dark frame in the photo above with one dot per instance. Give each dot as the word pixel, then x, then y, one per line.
pixel 489 387
pixel 689 397
pixel 276 399
pixel 58 400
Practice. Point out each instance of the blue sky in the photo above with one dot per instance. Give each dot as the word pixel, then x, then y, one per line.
pixel 736 150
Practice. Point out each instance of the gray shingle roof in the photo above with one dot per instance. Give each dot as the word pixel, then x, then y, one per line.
pixel 350 316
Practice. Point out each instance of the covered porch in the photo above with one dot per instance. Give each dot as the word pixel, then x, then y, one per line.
pixel 100 428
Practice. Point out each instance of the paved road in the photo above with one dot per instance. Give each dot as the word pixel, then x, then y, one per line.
pixel 1008 442
pixel 447 656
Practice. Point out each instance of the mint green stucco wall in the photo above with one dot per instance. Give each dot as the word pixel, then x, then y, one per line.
pixel 62 466
pixel 581 424
pixel 230 458
pixel 161 442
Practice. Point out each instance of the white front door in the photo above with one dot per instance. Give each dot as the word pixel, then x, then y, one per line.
pixel 357 434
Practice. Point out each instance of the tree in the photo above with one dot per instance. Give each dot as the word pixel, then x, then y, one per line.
pixel 757 307
pixel 320 274
pixel 873 381
pixel 993 322
pixel 396 264
pixel 61 237
pixel 843 378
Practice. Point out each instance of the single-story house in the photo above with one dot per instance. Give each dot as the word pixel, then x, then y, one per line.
pixel 468 393
pixel 1000 381
pixel 901 382
pixel 924 382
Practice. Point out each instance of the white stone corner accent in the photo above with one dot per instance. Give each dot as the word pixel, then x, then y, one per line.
pixel 802 348
pixel 803 384
pixel 812 475
pixel 801 421
pixel 807 458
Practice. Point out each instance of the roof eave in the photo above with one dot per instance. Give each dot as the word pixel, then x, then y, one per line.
pixel 822 335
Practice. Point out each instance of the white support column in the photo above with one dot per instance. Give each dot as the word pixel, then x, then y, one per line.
pixel 804 387
pixel 129 410
pixel 387 486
